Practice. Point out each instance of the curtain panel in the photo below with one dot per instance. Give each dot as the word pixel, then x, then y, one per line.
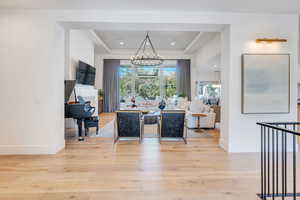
pixel 111 84
pixel 183 82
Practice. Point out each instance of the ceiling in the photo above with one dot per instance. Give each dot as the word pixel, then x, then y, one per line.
pixel 261 6
pixel 164 40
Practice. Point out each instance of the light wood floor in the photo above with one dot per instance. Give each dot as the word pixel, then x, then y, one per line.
pixel 199 170
pixel 105 118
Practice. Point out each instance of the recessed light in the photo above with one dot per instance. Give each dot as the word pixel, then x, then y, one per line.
pixel 122 43
pixel 173 43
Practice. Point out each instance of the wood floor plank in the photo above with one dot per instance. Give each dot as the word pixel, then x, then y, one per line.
pixel 96 169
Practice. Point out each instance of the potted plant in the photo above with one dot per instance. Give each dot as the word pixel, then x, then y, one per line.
pixel 100 100
pixel 182 96
pixel 100 94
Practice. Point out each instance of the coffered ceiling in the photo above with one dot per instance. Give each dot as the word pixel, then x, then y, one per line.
pixel 165 40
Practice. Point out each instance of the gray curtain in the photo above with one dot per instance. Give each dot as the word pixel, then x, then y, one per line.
pixel 183 70
pixel 111 84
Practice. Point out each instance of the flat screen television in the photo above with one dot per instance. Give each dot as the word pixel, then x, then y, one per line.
pixel 85 74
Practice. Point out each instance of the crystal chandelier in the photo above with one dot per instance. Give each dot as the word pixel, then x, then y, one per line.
pixel 146 54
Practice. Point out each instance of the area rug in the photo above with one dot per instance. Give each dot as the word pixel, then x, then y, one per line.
pixel 150 131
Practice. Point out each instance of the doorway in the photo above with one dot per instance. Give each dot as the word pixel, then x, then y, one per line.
pixel 164 83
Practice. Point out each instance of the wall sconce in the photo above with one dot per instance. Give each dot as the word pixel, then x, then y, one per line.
pixel 270 40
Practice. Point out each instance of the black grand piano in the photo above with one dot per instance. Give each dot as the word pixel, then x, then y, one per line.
pixel 78 109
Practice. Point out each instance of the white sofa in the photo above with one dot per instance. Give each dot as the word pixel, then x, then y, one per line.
pixel 197 106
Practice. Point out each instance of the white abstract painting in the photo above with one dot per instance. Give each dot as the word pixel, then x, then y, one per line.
pixel 265 83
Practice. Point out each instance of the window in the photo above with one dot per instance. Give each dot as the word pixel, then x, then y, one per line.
pixel 147 88
pixel 169 78
pixel 209 92
pixel 126 75
pixel 147 83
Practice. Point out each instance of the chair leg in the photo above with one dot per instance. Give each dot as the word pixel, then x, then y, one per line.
pixel 116 140
pixel 79 124
pixel 115 132
pixel 159 132
pixel 142 134
pixel 142 131
pixel 97 130
pixel 185 132
pixel 184 139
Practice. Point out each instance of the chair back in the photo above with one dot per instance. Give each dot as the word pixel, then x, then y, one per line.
pixel 172 123
pixel 129 123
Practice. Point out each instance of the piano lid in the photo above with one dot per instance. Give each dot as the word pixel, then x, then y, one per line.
pixel 69 87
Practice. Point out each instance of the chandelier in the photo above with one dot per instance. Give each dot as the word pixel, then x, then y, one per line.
pixel 146 54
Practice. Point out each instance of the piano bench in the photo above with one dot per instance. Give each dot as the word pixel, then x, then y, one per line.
pixel 91 122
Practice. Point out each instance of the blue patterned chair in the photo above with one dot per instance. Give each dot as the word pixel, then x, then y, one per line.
pixel 173 125
pixel 129 124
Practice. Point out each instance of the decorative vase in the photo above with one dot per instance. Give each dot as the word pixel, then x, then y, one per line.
pixel 133 105
pixel 162 104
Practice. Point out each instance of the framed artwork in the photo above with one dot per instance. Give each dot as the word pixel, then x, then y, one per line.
pixel 265 83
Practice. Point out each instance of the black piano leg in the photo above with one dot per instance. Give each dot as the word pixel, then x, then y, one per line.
pixel 79 123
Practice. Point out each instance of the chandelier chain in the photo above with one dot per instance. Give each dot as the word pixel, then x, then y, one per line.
pixel 144 58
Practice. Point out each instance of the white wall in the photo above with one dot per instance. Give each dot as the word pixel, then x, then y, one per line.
pixel 242 129
pixel 206 63
pixel 35 68
pixel 31 84
pixel 81 48
pixel 99 68
pixel 298 91
pixel 208 60
pixel 225 77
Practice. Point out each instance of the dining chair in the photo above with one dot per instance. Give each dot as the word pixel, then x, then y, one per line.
pixel 172 124
pixel 128 124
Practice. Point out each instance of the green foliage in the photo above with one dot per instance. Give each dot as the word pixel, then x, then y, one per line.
pixel 126 77
pixel 182 95
pixel 170 86
pixel 211 91
pixel 100 92
pixel 145 87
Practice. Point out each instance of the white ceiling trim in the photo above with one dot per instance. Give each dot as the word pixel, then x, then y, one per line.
pixel 192 43
pixel 98 41
pixel 133 51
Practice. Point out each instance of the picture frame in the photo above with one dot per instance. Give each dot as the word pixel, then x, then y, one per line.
pixel 265 83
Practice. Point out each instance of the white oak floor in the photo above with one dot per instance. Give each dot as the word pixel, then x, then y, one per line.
pixel 128 170
pixel 98 170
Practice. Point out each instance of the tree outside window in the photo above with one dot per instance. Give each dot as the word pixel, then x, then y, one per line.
pixel 148 83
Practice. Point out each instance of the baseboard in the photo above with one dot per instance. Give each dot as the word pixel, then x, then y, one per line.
pixel 223 144
pixel 59 147
pixel 29 149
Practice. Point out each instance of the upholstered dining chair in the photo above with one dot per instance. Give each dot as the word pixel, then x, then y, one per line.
pixel 172 125
pixel 128 124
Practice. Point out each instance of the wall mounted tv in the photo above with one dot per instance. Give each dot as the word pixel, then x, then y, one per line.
pixel 85 74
